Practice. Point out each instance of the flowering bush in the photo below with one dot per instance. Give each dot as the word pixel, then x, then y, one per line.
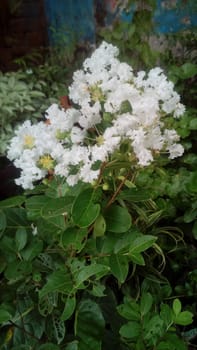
pixel 116 115
pixel 84 252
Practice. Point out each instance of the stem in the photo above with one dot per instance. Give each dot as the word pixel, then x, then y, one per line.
pixel 112 199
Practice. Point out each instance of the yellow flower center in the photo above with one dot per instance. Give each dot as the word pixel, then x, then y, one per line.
pixel 46 162
pixel 28 141
pixel 100 140
pixel 96 93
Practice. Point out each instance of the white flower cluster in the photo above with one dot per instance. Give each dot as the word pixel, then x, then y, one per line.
pixel 112 105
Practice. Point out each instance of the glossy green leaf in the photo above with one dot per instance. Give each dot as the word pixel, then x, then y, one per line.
pixel 89 325
pixel 4 315
pixel 85 272
pixel 20 238
pixel 176 306
pixel 58 281
pixel 84 210
pixel 12 202
pixel 141 244
pixel 166 314
pixel 192 184
pixel 56 207
pixel 16 217
pixel 118 219
pixel 130 330
pixel 18 270
pixel 129 310
pixel 184 318
pixel 32 250
pixel 146 303
pixel 74 238
pixel 99 226
pixel 123 242
pixel 137 258
pixel 69 308
pixel 119 267
pixel 34 205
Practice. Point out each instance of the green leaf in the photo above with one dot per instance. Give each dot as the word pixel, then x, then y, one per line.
pixel 192 184
pixel 58 281
pixel 47 303
pixel 118 219
pixel 184 318
pixel 16 217
pixel 34 205
pixel 130 330
pixel 190 215
pixel 138 259
pixel 141 244
pixel 56 207
pixel 172 342
pixel 69 308
pixel 119 266
pixel 12 202
pixel 123 242
pixel 193 124
pixel 18 270
pixel 134 195
pixel 89 325
pixel 129 310
pixel 58 329
pixel 4 316
pixel 146 303
pixel 73 238
pixel 3 222
pixel 33 249
pixel 99 226
pixel 21 238
pixel 153 329
pixel 166 314
pixel 189 70
pixel 176 306
pixel 84 210
pixel 85 272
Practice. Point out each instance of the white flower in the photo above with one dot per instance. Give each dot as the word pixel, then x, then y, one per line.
pixel 113 105
pixel 175 150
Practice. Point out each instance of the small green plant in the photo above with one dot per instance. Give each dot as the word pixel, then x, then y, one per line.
pixel 152 327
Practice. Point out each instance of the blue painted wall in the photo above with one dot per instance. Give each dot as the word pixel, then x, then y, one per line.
pixel 75 19
pixel 69 20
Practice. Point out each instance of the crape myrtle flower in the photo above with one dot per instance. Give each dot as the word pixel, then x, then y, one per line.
pixel 109 105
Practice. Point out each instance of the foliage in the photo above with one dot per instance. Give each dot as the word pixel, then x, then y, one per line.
pixel 132 37
pixel 25 93
pixel 69 255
